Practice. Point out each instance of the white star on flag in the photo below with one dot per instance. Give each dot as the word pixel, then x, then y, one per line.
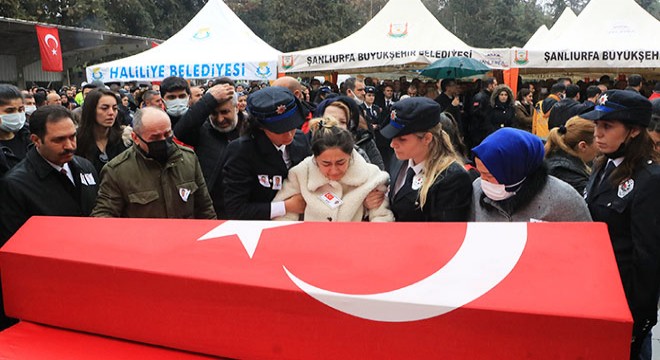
pixel 54 52
pixel 249 232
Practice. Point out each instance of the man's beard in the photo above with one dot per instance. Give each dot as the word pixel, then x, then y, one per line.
pixel 227 128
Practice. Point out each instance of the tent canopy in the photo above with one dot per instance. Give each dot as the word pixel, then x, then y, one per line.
pixel 608 34
pixel 538 37
pixel 543 35
pixel 205 48
pixel 403 34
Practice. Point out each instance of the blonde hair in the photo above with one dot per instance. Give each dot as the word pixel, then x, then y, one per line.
pixel 567 137
pixel 441 154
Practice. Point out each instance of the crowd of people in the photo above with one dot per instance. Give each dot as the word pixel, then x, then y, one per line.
pixel 367 150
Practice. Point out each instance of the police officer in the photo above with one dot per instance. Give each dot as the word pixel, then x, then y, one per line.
pixel 373 113
pixel 257 163
pixel 623 192
pixel 427 181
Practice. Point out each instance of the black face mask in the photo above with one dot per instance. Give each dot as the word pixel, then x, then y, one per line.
pixel 159 150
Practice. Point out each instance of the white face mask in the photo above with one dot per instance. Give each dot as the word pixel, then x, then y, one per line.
pixel 12 122
pixel 29 109
pixel 496 192
pixel 176 107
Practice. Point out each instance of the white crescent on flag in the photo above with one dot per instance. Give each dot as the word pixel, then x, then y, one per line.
pixel 49 37
pixel 488 254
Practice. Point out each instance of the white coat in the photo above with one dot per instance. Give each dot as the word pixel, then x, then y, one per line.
pixel 360 179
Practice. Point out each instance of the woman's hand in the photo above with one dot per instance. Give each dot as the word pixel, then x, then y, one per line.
pixel 295 204
pixel 374 200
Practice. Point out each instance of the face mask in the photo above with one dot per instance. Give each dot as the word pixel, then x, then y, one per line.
pixel 160 150
pixel 496 192
pixel 176 107
pixel 29 109
pixel 12 122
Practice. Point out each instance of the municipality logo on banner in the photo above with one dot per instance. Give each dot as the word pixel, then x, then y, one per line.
pixel 203 33
pixel 263 70
pixel 398 30
pixel 521 57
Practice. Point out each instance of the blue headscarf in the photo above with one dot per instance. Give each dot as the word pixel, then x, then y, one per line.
pixel 510 155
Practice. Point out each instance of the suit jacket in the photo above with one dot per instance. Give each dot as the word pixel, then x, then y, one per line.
pixel 34 187
pixel 247 159
pixel 447 200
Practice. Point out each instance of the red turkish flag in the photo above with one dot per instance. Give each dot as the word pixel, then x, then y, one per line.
pixel 49 46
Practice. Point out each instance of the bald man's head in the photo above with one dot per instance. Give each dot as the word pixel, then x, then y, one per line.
pixel 290 83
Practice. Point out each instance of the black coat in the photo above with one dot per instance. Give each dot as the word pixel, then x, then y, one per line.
pixel 633 221
pixel 111 150
pixel 194 129
pixel 502 115
pixel 456 111
pixel 479 125
pixel 569 169
pixel 247 158
pixel 563 111
pixel 34 187
pixel 448 199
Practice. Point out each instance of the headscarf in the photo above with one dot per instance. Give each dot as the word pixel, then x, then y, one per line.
pixel 510 155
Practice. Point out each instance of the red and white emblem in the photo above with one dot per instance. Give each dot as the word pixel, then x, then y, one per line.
pixel 281 109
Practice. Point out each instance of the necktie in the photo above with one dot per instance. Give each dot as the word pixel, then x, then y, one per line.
pixel 410 174
pixel 285 158
pixel 607 172
pixel 63 172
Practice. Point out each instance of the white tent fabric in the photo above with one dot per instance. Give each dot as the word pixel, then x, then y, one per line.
pixel 538 37
pixel 543 35
pixel 607 34
pixel 403 34
pixel 214 43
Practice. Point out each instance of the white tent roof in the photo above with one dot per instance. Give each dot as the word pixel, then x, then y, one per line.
pixel 615 34
pixel 566 20
pixel 543 35
pixel 403 33
pixel 214 43
pixel 538 37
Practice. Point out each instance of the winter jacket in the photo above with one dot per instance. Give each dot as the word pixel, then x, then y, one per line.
pixel 541 198
pixel 360 179
pixel 568 168
pixel 136 186
pixel 524 115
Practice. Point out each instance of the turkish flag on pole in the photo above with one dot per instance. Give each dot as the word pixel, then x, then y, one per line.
pixel 49 46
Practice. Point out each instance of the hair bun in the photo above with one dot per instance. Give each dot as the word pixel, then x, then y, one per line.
pixel 562 129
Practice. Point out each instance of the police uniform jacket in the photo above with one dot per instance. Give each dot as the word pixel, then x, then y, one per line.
pixel 34 187
pixel 136 186
pixel 632 213
pixel 373 119
pixel 447 200
pixel 194 129
pixel 249 157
